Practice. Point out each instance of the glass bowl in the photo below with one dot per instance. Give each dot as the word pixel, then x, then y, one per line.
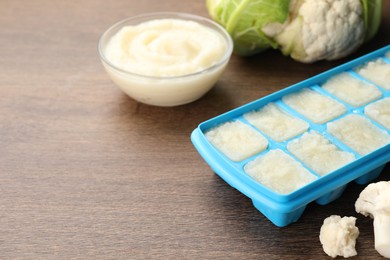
pixel 165 90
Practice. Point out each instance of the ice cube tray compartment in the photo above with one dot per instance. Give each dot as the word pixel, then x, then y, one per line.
pixel 284 208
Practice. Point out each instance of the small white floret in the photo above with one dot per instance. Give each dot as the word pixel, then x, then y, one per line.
pixel 338 236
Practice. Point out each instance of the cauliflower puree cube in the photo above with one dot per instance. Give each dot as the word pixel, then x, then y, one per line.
pixel 318 153
pixel 314 106
pixel 377 71
pixel 351 90
pixel 380 112
pixel 279 172
pixel 237 140
pixel 358 133
pixel 276 123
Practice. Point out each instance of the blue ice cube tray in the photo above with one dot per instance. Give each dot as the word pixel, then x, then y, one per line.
pixel 284 209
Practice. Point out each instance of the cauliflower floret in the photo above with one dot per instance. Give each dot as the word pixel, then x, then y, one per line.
pixel 374 201
pixel 320 29
pixel 331 29
pixel 338 236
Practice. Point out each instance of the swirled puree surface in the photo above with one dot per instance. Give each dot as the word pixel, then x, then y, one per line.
pixel 165 48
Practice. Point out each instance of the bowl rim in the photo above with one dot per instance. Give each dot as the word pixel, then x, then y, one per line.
pixel 167 15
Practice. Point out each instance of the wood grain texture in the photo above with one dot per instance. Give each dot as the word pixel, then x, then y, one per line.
pixel 88 173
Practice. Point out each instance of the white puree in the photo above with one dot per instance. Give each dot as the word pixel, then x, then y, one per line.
pixel 165 48
pixel 319 153
pixel 358 133
pixel 279 172
pixel 276 123
pixel 163 56
pixel 378 72
pixel 380 112
pixel 237 140
pixel 314 106
pixel 351 90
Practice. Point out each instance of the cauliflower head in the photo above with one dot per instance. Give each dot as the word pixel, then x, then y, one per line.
pixel 307 30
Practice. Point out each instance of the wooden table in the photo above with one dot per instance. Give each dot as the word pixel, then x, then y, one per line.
pixel 88 173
